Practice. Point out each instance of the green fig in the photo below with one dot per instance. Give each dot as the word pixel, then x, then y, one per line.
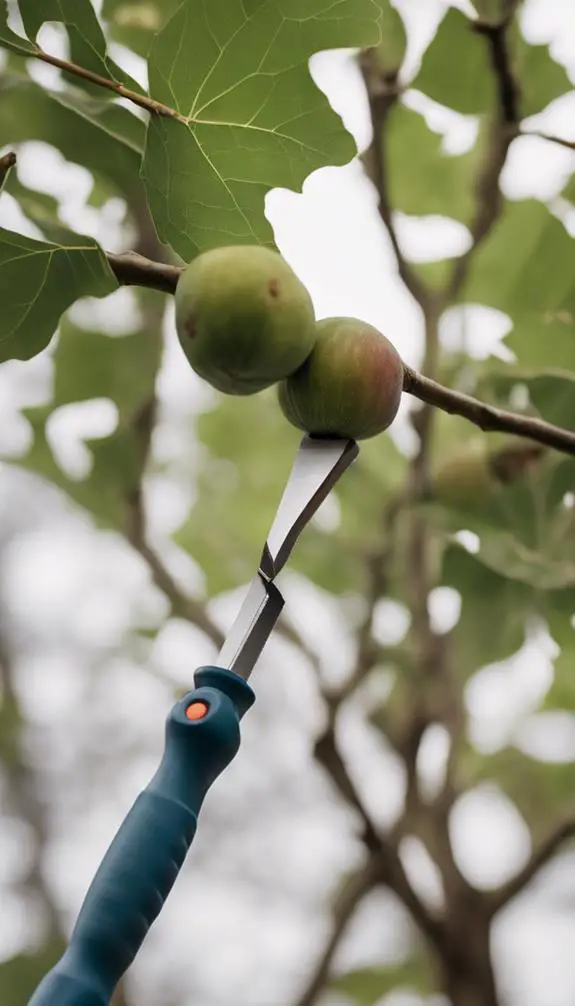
pixel 243 318
pixel 349 386
pixel 472 475
pixel 465 480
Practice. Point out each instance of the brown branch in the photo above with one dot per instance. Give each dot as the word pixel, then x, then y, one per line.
pixel 182 606
pixel 142 100
pixel 504 130
pixel 487 417
pixel 569 144
pixel 540 856
pixel 508 91
pixel 383 93
pixel 355 890
pixel 394 876
pixel 133 269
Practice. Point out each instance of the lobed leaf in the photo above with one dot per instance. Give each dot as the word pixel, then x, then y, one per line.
pixel 249 117
pixel 38 282
pixel 85 35
pixel 104 138
pixel 524 268
pixel 456 70
pixel 433 182
pixel 92 365
pixel 9 39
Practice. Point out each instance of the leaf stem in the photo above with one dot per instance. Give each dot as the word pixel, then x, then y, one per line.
pixel 569 144
pixel 143 100
pixel 562 833
pixel 133 269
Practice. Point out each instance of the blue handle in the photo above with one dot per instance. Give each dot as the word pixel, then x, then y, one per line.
pixel 140 867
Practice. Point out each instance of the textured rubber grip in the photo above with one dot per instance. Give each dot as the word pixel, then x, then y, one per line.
pixel 144 859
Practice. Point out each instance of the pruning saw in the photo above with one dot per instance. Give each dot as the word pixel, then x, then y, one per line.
pixel 202 737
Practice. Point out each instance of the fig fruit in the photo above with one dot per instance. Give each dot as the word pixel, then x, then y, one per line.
pixel 349 386
pixel 243 318
pixel 472 476
pixel 465 481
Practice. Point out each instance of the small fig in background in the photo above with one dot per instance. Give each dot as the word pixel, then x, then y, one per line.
pixel 349 386
pixel 465 481
pixel 472 476
pixel 243 318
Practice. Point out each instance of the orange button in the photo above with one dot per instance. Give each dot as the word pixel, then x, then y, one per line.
pixel 197 710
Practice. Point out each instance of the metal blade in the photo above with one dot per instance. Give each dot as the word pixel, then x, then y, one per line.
pixel 318 465
pixel 251 628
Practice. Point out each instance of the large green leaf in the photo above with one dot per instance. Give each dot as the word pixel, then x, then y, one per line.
pixel 552 395
pixel 86 38
pixel 250 117
pixel 525 531
pixel 91 365
pixel 494 612
pixel 87 42
pixel 393 44
pixel 134 23
pixel 432 182
pixel 525 268
pixel 456 70
pixel 104 138
pixel 38 282
pixel 39 207
pixel 8 38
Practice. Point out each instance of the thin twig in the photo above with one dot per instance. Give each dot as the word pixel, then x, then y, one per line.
pixel 383 93
pixel 504 129
pixel 327 754
pixel 487 417
pixel 142 100
pixel 355 890
pixel 538 859
pixel 508 91
pixel 182 606
pixel 569 144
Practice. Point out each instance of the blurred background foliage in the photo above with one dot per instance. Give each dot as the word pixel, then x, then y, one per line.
pixel 394 830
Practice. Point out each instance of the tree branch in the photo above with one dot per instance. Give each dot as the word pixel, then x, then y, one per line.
pixel 540 856
pixel 569 144
pixel 382 93
pixel 377 845
pixel 182 606
pixel 504 130
pixel 508 91
pixel 355 890
pixel 134 269
pixel 487 417
pixel 142 100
